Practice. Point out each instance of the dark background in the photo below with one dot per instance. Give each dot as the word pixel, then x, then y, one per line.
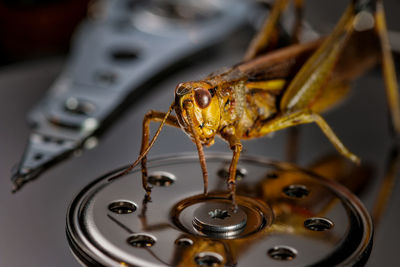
pixel 32 221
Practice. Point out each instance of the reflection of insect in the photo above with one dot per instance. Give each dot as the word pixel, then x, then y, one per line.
pixel 282 88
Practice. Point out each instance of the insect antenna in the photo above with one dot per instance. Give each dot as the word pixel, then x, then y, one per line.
pixel 144 152
pixel 188 107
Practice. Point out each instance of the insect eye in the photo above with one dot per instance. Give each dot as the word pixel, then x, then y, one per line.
pixel 202 97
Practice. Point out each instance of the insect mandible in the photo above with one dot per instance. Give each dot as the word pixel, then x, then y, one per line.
pixel 281 87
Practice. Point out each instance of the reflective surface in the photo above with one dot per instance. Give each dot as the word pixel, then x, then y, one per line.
pixel 328 226
pixel 32 223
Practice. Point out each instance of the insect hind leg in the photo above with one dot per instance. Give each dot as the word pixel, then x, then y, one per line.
pixel 308 116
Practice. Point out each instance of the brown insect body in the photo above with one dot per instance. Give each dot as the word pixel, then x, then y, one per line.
pixel 281 88
pixel 241 108
pixel 244 108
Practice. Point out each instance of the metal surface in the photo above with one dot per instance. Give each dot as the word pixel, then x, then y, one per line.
pixel 327 226
pixel 32 223
pixel 113 56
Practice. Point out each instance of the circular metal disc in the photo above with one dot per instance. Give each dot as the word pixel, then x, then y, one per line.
pixel 288 217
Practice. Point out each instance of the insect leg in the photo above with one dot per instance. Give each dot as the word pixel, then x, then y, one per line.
pixel 188 106
pixel 234 143
pixel 267 37
pixel 330 95
pixel 150 116
pixel 388 184
pixel 236 148
pixel 294 132
pixel 308 116
pixel 315 73
pixel 389 72
pixel 292 146
pixel 268 34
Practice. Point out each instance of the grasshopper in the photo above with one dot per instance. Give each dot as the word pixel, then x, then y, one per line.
pixel 280 88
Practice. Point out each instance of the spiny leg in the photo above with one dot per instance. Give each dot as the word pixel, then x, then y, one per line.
pixel 387 185
pixel 146 147
pixel 315 73
pixel 234 143
pixel 294 132
pixel 329 96
pixel 236 148
pixel 267 37
pixel 303 117
pixel 311 88
pixel 392 94
pixel 155 116
pixel 388 69
pixel 292 145
pixel 268 33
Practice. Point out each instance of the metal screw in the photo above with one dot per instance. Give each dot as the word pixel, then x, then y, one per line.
pixel 218 217
pixel 219 214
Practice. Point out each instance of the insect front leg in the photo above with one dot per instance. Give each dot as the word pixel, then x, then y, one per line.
pixel 236 148
pixel 150 116
pixel 308 116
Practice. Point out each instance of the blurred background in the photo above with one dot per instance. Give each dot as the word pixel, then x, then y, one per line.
pixel 38 28
pixel 35 44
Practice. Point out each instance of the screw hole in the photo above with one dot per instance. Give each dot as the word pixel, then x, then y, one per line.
pixel 296 191
pixel 124 55
pixel 141 241
pixel 59 142
pixel 46 139
pixel 184 242
pixel 122 207
pixel 38 156
pixel 208 259
pixel 161 179
pixel 282 253
pixel 318 224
